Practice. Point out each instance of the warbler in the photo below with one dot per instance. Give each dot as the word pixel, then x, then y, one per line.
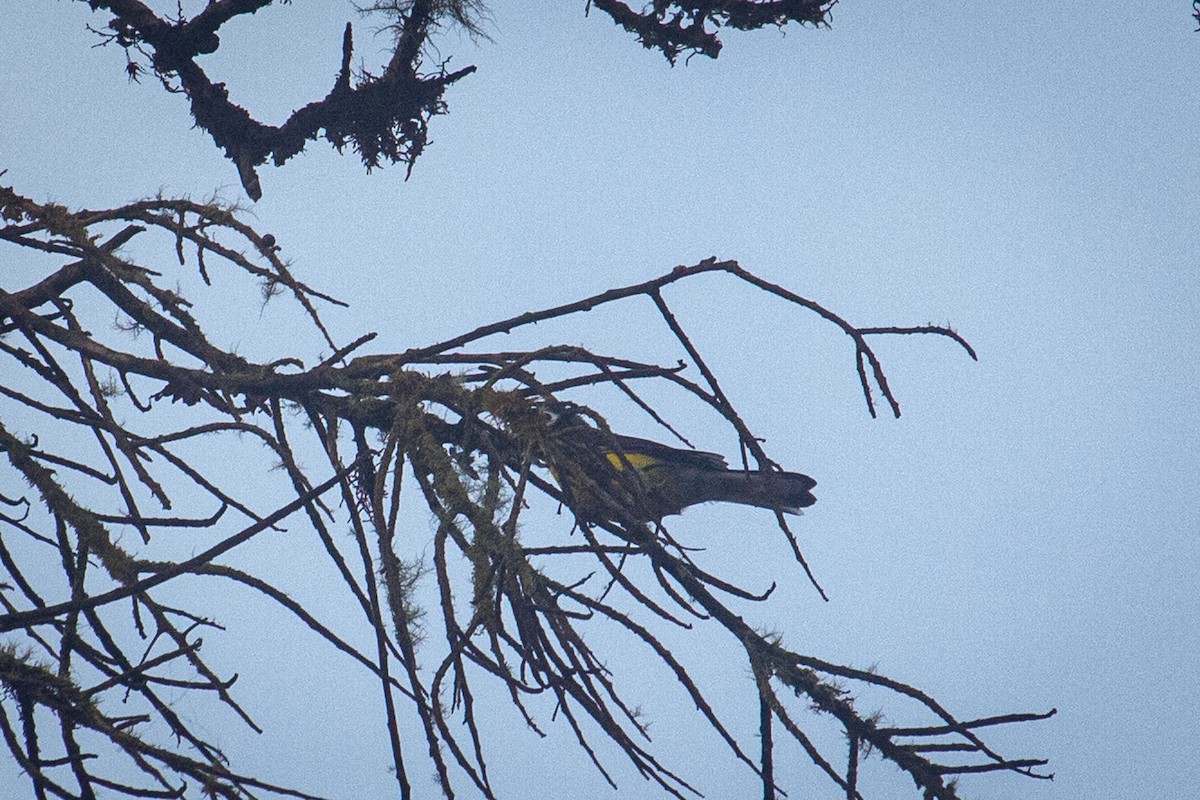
pixel 591 468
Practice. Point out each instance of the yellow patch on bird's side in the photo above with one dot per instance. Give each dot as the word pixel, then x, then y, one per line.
pixel 638 461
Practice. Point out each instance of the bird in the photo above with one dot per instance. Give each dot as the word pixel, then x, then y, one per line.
pixel 591 464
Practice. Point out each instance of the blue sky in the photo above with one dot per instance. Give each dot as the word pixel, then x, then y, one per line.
pixel 1024 537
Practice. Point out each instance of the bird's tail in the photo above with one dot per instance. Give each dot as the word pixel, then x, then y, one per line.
pixel 779 491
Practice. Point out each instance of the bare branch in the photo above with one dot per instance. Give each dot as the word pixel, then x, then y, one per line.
pixel 481 435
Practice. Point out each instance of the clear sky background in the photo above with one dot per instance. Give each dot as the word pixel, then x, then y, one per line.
pixel 1025 537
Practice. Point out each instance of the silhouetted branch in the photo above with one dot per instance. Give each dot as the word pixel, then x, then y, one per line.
pixel 385 118
pixel 675 28
pixel 474 433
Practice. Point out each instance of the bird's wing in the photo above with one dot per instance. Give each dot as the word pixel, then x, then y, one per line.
pixel 675 455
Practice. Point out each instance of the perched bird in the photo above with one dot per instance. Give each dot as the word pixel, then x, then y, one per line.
pixel 590 465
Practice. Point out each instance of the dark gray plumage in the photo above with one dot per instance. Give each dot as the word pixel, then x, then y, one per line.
pixel 667 480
